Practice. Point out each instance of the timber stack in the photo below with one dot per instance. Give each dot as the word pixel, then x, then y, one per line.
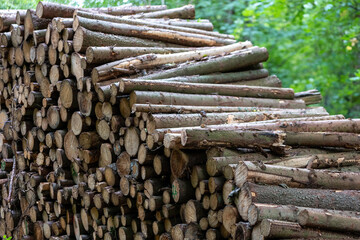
pixel 140 122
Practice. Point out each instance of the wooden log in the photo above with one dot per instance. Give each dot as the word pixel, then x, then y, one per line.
pixel 295 177
pixel 201 24
pixel 185 12
pixel 230 217
pixel 182 191
pixel 33 22
pixel 231 62
pixel 49 10
pixel 159 108
pixel 101 55
pixel 181 160
pixel 147 61
pixel 84 38
pixel 252 193
pixel 281 229
pixel 141 97
pixel 241 231
pixel 321 139
pixel 259 212
pixel 228 120
pixel 127 86
pixel 151 60
pixel 203 138
pixel 194 211
pixel 153 24
pixel 326 220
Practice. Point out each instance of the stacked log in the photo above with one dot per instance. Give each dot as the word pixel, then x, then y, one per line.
pixel 139 122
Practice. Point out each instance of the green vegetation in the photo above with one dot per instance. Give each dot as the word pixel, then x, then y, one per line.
pixel 312 43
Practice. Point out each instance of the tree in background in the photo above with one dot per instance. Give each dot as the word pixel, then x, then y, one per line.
pixel 312 43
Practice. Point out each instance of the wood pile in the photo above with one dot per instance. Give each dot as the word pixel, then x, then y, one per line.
pixel 140 122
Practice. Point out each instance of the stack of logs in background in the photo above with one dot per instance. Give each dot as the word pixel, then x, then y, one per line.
pixel 140 122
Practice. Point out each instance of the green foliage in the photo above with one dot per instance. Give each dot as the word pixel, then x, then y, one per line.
pixel 312 43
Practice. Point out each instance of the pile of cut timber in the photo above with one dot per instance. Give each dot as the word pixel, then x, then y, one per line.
pixel 139 122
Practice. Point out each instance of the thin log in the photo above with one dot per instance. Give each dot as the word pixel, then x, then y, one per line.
pixel 153 24
pixel 297 177
pixel 231 62
pixel 185 12
pixel 128 85
pixel 147 61
pixel 84 38
pixel 171 36
pixel 101 55
pixel 210 100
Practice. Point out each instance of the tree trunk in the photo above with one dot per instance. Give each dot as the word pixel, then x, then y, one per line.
pixel 84 38
pixel 127 86
pixel 231 62
pixel 171 36
pixel 209 100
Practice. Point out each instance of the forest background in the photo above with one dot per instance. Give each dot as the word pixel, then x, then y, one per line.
pixel 313 44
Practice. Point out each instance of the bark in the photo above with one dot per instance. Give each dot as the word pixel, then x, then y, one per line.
pixel 144 32
pixel 84 38
pixel 232 62
pixel 297 177
pixel 323 139
pixel 139 22
pixel 101 55
pixel 142 97
pixel 133 65
pixel 127 86
pixel 281 229
pixel 185 12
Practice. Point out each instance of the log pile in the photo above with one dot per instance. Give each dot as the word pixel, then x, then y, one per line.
pixel 140 122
